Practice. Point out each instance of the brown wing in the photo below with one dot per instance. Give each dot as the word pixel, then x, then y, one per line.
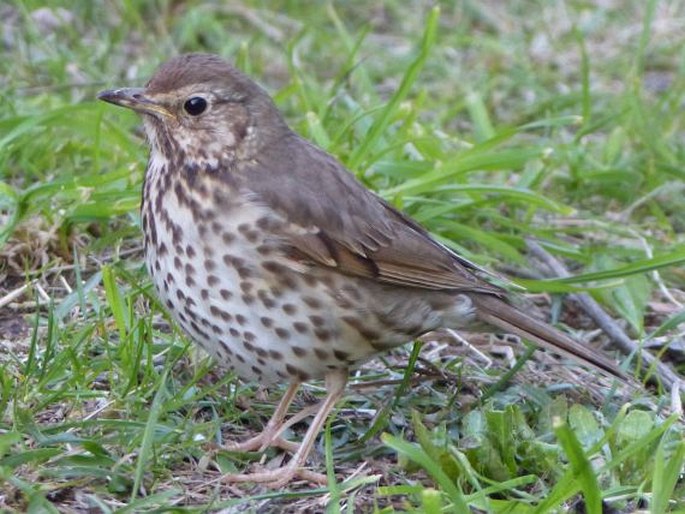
pixel 336 222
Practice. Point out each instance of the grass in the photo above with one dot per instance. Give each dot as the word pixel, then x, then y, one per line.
pixel 488 122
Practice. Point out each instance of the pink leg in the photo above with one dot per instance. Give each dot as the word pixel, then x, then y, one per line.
pixel 270 436
pixel 276 478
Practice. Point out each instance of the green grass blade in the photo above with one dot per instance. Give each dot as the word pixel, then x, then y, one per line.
pixel 416 454
pixel 380 124
pixel 145 451
pixel 668 469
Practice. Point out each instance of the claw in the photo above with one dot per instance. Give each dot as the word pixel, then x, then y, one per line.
pixel 278 478
pixel 271 436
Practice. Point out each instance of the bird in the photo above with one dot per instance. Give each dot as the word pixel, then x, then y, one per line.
pixel 278 262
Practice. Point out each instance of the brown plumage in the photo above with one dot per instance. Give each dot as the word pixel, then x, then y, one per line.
pixel 276 260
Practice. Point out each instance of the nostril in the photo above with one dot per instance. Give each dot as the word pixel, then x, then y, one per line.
pixel 137 96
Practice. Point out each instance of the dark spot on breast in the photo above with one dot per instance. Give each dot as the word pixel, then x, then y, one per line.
pixel 198 330
pixel 311 302
pixel 191 313
pixel 264 249
pixel 176 234
pixel 225 294
pixel 252 236
pixel 217 312
pixel 266 300
pixel 341 355
pixel 296 372
pixel 288 281
pixel 289 308
pixel 323 334
pixel 244 272
pixel 273 267
pixel 310 280
pixel 267 223
pixel 300 327
pixel 267 322
pixel 152 229
pixel 321 354
pixel 276 355
pixel 282 333
pixel 298 351
pixel 233 261
pixel 317 321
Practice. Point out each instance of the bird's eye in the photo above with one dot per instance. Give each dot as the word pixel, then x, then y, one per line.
pixel 195 105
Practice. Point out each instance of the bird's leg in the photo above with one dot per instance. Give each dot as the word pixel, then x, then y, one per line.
pixel 335 386
pixel 270 435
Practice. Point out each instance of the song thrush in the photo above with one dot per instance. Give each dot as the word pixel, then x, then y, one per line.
pixel 277 261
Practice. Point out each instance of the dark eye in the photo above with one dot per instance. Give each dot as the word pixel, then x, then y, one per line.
pixel 195 105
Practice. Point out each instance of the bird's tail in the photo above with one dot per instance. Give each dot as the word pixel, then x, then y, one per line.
pixel 498 313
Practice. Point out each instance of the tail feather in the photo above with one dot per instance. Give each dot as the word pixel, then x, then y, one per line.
pixel 498 313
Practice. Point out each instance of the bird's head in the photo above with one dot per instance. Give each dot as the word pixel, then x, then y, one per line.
pixel 200 108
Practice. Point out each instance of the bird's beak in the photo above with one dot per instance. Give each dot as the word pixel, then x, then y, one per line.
pixel 134 98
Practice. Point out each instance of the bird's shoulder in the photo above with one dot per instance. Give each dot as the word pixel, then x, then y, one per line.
pixel 331 219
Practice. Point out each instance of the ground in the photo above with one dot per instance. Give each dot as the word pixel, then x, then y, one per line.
pixel 491 123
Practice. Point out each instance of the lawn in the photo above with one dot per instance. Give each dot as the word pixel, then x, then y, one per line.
pixel 544 141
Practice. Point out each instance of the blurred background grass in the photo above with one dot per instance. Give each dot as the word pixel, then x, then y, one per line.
pixel 488 121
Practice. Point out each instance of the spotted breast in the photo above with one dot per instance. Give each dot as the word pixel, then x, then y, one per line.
pixel 219 265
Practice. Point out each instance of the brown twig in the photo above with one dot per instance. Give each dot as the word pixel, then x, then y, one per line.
pixel 619 338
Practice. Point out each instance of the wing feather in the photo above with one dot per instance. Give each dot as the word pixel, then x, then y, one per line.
pixel 331 219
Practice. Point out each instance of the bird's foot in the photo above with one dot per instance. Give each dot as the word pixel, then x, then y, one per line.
pixel 261 442
pixel 279 477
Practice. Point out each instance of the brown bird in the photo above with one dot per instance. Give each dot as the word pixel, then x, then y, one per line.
pixel 278 262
